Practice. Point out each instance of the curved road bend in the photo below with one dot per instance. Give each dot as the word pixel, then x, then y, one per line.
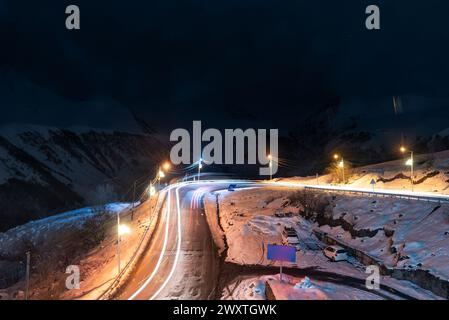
pixel 181 260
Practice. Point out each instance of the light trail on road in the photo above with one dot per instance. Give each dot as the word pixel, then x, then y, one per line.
pixel 178 246
pixel 153 274
pixel 167 257
pixel 170 243
pixel 194 204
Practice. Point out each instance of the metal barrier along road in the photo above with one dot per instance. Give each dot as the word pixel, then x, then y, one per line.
pixel 439 198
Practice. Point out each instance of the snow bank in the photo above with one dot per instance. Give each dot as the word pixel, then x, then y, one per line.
pixel 431 174
pixel 40 231
pixel 411 234
pixel 292 288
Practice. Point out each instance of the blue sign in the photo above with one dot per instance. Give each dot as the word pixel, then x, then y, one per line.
pixel 281 253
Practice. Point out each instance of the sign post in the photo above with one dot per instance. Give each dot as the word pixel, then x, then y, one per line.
pixel 372 183
pixel 281 253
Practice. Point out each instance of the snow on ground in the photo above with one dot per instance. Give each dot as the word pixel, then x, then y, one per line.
pixel 420 231
pixel 98 267
pixel 248 219
pixel 431 174
pixel 292 288
pixel 247 231
pixel 39 231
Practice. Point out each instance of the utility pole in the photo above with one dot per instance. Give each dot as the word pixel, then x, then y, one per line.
pixel 317 183
pixel 27 289
pixel 118 242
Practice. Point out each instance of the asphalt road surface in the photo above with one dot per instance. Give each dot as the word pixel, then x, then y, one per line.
pixel 181 260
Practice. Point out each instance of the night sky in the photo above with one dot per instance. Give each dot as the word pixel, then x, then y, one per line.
pixel 230 63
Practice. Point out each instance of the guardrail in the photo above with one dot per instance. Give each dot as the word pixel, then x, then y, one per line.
pixel 121 278
pixel 408 196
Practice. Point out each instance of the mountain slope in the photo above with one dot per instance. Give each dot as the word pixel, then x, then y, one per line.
pixel 45 170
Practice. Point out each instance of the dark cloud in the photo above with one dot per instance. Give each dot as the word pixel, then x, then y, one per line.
pixel 172 61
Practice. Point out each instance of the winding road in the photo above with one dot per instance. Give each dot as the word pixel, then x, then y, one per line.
pixel 181 260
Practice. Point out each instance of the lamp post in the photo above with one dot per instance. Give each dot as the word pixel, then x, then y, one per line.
pixel 200 166
pixel 152 190
pixel 341 165
pixel 118 242
pixel 410 163
pixel 121 230
pixel 160 175
pixel 271 166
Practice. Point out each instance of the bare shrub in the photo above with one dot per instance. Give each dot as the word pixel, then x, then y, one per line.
pixel 336 172
pixel 93 231
pixel 48 261
pixel 311 202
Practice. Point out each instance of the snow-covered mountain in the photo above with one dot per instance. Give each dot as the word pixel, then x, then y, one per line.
pixel 45 170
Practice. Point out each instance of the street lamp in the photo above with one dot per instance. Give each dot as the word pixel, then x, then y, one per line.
pixel 160 175
pixel 152 190
pixel 341 165
pixel 271 166
pixel 166 166
pixel 200 166
pixel 410 163
pixel 121 230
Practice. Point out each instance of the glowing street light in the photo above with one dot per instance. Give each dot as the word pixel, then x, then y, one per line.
pixel 160 173
pixel 166 166
pixel 121 230
pixel 410 163
pixel 200 166
pixel 341 165
pixel 152 190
